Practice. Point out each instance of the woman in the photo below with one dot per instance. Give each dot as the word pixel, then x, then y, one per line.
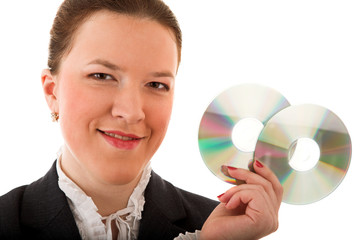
pixel 110 85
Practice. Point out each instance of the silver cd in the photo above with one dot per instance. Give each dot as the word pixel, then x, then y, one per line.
pixel 231 124
pixel 308 148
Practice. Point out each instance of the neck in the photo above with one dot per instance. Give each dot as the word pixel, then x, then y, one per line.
pixel 108 198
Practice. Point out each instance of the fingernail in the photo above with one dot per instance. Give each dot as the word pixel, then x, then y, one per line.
pixel 220 195
pixel 258 164
pixel 231 168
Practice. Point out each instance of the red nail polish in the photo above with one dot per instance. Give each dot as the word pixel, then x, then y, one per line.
pixel 231 168
pixel 220 195
pixel 258 164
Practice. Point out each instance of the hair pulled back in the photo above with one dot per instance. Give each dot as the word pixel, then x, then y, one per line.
pixel 72 13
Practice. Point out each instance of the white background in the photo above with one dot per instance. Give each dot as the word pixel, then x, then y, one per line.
pixel 308 50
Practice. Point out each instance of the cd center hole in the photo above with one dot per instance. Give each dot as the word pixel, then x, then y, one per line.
pixel 246 133
pixel 304 154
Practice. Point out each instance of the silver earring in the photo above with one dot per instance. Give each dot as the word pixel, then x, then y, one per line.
pixel 54 117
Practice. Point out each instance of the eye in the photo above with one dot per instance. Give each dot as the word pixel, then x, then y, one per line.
pixel 101 76
pixel 158 86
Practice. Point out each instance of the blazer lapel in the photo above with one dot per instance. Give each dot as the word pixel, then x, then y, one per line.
pixel 45 210
pixel 163 208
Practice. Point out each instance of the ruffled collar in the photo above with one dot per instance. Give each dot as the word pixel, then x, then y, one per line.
pixel 90 222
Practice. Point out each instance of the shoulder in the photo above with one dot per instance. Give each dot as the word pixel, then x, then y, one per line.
pixel 35 210
pixel 15 207
pixel 10 205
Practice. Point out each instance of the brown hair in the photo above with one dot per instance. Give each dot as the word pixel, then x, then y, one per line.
pixel 72 13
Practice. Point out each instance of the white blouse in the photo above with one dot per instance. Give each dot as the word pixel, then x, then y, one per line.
pixel 90 222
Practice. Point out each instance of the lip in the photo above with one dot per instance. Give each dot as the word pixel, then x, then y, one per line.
pixel 124 144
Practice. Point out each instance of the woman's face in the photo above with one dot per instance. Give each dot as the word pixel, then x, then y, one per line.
pixel 114 95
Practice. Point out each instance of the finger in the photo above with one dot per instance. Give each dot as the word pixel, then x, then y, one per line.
pixel 243 194
pixel 257 202
pixel 256 179
pixel 266 173
pixel 253 201
pixel 225 197
pixel 232 196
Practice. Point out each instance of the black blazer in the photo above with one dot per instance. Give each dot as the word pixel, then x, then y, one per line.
pixel 40 211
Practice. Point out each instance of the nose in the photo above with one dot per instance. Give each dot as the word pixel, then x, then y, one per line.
pixel 128 105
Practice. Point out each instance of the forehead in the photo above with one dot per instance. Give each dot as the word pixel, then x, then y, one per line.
pixel 116 36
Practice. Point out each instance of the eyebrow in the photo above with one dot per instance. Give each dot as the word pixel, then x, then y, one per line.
pixel 114 67
pixel 163 74
pixel 105 63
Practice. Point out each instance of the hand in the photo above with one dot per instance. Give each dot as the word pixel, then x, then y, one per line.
pixel 247 211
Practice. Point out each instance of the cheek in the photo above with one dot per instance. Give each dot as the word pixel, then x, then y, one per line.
pixel 159 117
pixel 71 104
pixel 78 107
pixel 78 101
pixel 71 109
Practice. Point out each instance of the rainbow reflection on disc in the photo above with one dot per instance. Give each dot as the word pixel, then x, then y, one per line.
pixel 308 173
pixel 249 104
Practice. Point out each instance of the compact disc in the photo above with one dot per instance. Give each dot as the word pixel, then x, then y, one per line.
pixel 231 124
pixel 308 148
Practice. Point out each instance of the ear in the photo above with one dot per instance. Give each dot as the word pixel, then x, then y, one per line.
pixel 49 84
